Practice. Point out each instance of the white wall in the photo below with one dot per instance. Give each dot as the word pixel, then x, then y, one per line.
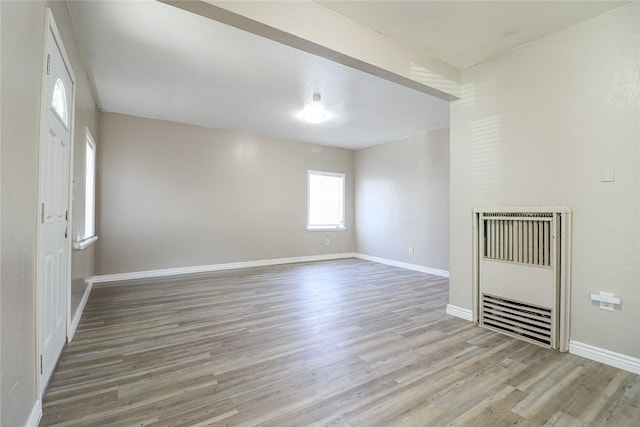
pixel 536 127
pixel 175 195
pixel 402 200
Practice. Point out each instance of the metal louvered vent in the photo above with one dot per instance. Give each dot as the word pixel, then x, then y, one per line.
pixel 526 321
pixel 524 238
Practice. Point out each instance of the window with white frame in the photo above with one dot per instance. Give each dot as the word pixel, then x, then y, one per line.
pixel 325 200
pixel 90 187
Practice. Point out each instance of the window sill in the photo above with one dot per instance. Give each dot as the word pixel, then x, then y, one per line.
pixel 82 244
pixel 326 228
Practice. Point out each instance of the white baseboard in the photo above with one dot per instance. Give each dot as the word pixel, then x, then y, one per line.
pixel 78 314
pixel 617 360
pixel 460 312
pixel 414 267
pixel 214 267
pixel 35 416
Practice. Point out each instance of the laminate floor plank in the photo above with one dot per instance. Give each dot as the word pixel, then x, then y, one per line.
pixel 338 343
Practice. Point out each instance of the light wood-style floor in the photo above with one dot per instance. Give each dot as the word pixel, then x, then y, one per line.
pixel 340 343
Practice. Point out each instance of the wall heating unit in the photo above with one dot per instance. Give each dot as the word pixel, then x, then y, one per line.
pixel 522 273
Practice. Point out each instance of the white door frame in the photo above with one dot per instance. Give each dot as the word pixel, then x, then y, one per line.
pixel 51 28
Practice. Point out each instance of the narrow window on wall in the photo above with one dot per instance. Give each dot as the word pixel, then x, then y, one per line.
pixel 325 200
pixel 90 187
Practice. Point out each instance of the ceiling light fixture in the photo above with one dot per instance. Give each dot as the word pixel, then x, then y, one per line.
pixel 314 112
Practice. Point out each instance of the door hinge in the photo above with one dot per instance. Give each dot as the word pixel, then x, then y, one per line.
pixel 65 232
pixel 66 215
pixel 41 365
pixel 48 64
pixel 42 213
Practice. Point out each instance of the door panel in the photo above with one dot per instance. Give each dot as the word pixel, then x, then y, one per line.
pixel 54 249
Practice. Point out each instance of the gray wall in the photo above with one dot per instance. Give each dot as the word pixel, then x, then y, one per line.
pixel 402 200
pixel 22 35
pixel 22 41
pixel 86 115
pixel 535 128
pixel 174 195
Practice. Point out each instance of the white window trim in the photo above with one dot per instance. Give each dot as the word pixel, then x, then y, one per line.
pixel 342 227
pixel 79 245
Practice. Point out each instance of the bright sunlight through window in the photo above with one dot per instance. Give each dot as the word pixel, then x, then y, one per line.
pixel 325 200
pixel 90 188
pixel 59 101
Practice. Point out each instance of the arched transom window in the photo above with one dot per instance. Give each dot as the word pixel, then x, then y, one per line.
pixel 59 102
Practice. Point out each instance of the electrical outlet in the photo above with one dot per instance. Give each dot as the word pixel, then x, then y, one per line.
pixel 607 300
pixel 411 251
pixel 327 241
pixel 608 306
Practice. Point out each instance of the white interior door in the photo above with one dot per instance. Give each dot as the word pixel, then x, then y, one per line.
pixel 54 248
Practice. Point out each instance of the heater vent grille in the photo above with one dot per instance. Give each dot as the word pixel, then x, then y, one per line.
pixel 530 322
pixel 524 238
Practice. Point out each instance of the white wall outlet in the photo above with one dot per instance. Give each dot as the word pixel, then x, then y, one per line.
pixel 411 251
pixel 607 300
pixel 608 306
pixel 327 241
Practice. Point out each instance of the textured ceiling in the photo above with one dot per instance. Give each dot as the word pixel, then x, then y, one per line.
pixel 150 59
pixel 464 33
